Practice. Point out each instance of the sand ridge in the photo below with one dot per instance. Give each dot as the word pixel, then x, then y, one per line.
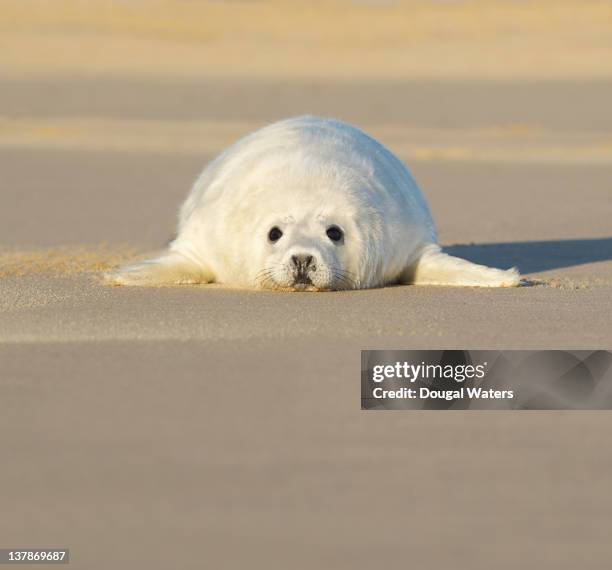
pixel 512 143
pixel 64 261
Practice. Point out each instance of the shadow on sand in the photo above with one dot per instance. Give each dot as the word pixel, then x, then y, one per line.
pixel 536 256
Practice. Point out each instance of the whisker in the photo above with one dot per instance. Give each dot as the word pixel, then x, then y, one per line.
pixel 265 277
pixel 344 279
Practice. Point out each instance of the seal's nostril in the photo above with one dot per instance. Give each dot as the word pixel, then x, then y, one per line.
pixel 302 261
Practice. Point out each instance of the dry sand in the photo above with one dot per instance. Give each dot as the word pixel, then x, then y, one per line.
pixel 319 38
pixel 201 427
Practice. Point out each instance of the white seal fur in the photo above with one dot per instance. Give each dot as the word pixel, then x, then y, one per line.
pixel 308 204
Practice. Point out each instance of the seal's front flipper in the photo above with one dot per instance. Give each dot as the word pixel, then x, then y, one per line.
pixel 170 268
pixel 438 268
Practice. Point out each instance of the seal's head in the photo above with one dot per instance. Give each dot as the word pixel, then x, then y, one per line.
pixel 299 223
pixel 309 253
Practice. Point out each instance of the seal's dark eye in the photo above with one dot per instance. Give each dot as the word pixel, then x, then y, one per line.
pixel 275 234
pixel 334 233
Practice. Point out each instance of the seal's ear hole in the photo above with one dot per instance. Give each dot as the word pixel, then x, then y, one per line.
pixel 335 234
pixel 275 234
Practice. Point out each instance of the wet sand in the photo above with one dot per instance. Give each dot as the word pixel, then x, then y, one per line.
pixel 199 426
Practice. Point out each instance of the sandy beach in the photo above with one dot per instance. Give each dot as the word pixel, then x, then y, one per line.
pixel 199 426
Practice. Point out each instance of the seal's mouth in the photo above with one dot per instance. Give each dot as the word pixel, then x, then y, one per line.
pixel 300 287
pixel 280 279
pixel 303 283
pixel 302 279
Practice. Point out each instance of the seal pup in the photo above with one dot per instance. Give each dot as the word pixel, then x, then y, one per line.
pixel 307 204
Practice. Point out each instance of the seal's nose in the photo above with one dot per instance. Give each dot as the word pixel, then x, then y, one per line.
pixel 302 262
